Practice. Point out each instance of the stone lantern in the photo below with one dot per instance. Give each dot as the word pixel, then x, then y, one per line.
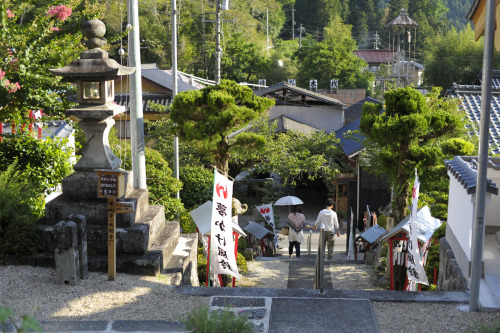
pixel 94 74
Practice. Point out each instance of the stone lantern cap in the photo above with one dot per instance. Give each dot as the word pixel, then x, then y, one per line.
pixel 94 63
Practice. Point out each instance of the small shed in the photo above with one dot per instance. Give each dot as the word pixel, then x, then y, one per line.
pixel 369 237
pixel 260 233
pixel 398 239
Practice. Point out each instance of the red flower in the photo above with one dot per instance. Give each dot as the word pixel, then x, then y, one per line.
pixel 60 12
pixel 10 14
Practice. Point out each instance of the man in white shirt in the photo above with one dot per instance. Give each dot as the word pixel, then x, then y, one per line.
pixel 328 219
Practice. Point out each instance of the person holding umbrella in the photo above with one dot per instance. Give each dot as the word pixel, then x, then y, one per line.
pixel 296 222
pixel 328 218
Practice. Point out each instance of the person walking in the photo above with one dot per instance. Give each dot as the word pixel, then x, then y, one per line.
pixel 296 222
pixel 328 219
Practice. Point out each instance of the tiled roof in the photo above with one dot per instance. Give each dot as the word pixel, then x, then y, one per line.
pixel 162 99
pixel 495 79
pixel 373 56
pixel 299 92
pixel 470 96
pixel 353 112
pixel 355 143
pixel 464 169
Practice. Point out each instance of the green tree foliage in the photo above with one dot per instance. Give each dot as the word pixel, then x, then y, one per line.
pixel 36 36
pixel 206 117
pixel 458 10
pixel 197 186
pixel 243 61
pixel 405 137
pixel 453 58
pixel 332 58
pixel 17 214
pixel 44 164
pixel 292 155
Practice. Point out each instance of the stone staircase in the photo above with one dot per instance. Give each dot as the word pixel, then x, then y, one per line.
pixel 146 244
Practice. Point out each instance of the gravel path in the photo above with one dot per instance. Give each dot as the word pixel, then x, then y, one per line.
pixel 33 290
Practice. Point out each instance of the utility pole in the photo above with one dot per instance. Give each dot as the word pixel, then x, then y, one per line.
pixel 480 205
pixel 174 85
pixel 267 31
pixel 135 89
pixel 376 39
pixel 293 23
pixel 300 34
pixel 217 42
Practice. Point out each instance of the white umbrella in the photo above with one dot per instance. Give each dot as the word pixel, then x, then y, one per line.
pixel 289 200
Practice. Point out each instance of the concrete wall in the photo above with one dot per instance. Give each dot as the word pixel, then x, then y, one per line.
pixel 327 117
pixel 492 221
pixel 460 215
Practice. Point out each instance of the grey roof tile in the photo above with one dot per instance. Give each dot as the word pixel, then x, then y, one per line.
pixel 464 169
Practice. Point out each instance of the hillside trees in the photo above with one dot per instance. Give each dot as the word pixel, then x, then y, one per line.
pixel 453 58
pixel 407 135
pixel 333 58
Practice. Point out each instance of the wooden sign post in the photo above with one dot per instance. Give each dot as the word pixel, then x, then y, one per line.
pixel 111 185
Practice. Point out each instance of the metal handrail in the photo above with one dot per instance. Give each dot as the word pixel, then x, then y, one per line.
pixel 319 271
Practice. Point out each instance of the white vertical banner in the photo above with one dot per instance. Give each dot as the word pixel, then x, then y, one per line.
pixel 222 259
pixel 416 271
pixel 350 251
pixel 267 212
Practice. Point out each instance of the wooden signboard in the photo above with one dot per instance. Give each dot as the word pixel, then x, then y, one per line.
pixel 111 185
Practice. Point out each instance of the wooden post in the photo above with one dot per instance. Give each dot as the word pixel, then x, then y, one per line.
pixel 111 239
pixel 208 263
pixel 236 236
pixel 391 255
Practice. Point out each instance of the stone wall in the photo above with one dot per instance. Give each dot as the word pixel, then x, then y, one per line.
pixel 450 276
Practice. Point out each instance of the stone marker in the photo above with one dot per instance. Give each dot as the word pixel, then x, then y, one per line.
pixel 81 232
pixel 66 253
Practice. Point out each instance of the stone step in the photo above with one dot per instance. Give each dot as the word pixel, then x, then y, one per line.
pixel 182 268
pixel 166 241
pixel 487 300
pixel 147 264
pixel 140 199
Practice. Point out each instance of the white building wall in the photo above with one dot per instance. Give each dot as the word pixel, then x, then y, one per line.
pixel 493 208
pixel 328 118
pixel 460 214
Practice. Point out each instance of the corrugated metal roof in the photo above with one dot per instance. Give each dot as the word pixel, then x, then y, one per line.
pixel 464 169
pixel 165 80
pixel 372 56
pixel 257 230
pixel 301 91
pixel 372 234
pixel 426 225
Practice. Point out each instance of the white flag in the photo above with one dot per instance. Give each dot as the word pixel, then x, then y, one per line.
pixel 350 251
pixel 267 212
pixel 416 271
pixel 222 258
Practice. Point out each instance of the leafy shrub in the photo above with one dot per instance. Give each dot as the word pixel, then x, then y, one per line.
pixel 242 244
pixel 221 321
pixel 17 213
pixel 202 268
pixel 161 185
pixel 197 186
pixel 382 221
pixel 44 164
pixel 242 264
pixel 187 223
pixel 21 325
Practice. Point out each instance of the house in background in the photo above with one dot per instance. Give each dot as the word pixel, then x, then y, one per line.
pixel 362 188
pixel 297 106
pixel 477 14
pixel 462 171
pixel 157 87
